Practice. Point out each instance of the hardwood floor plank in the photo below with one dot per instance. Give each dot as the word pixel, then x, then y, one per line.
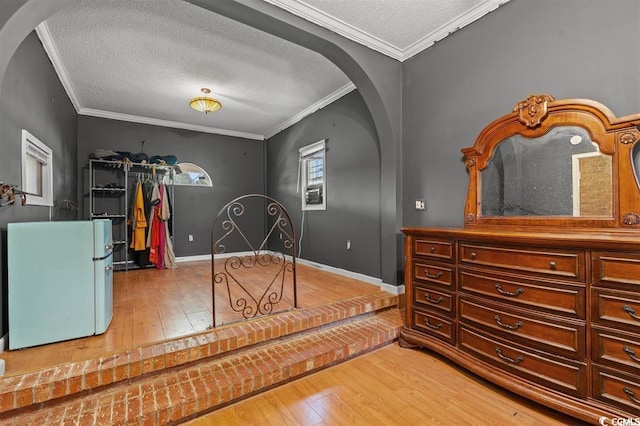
pixel 366 391
pixel 298 409
pixel 152 305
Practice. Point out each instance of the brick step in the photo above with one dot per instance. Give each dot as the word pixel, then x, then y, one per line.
pixel 68 383
pixel 178 394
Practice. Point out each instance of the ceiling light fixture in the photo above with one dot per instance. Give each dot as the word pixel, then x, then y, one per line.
pixel 205 103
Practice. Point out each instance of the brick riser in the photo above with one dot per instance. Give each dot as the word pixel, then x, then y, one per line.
pixel 197 374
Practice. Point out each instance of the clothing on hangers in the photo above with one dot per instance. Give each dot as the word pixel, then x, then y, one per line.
pixel 138 221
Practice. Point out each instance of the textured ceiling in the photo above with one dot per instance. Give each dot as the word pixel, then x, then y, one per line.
pixel 143 60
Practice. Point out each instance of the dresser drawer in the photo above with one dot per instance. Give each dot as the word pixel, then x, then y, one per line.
pixel 617 388
pixel 564 376
pixel 553 336
pixel 434 248
pixel 617 309
pixel 434 325
pixel 561 299
pixel 568 264
pixel 439 300
pixel 613 269
pixel 441 275
pixel 616 349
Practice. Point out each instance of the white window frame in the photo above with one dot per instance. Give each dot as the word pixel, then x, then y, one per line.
pixel 36 154
pixel 305 153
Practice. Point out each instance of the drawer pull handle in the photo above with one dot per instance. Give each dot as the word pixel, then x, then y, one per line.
pixel 515 326
pixel 432 249
pixel 435 327
pixel 435 276
pixel 434 301
pixel 628 309
pixel 631 353
pixel 552 266
pixel 518 360
pixel 631 395
pixel 473 255
pixel 516 293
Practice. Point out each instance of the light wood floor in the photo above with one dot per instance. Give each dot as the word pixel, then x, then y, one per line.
pixel 152 305
pixel 390 386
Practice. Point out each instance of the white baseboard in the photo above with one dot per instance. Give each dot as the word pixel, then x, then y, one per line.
pixel 393 289
pixel 193 258
pixel 339 271
pixel 208 256
pixel 389 288
pixel 4 342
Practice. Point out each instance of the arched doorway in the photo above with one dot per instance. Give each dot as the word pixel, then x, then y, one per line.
pixel 377 77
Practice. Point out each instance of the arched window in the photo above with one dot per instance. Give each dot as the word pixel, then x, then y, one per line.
pixel 188 174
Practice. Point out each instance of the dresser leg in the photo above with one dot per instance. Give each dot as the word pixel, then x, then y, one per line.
pixel 404 344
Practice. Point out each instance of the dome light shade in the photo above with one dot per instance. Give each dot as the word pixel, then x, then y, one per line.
pixel 205 103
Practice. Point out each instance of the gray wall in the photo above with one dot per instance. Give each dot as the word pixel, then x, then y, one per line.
pixel 378 78
pixel 353 185
pixel 236 166
pixel 33 99
pixel 570 49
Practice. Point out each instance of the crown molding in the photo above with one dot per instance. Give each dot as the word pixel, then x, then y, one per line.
pixel 51 50
pixel 338 26
pixel 167 123
pixel 347 88
pixel 42 30
pixel 452 26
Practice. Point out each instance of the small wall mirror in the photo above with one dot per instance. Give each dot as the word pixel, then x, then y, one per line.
pixel 561 173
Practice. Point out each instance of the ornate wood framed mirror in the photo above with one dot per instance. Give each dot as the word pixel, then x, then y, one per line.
pixel 550 162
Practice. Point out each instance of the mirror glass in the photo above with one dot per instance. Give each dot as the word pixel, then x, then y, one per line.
pixel 561 173
pixel 635 157
pixel 189 174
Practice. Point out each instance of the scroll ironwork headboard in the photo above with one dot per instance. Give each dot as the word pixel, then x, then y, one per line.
pixel 253 257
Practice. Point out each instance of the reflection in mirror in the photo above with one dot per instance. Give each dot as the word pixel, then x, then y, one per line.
pixel 635 158
pixel 189 174
pixel 561 173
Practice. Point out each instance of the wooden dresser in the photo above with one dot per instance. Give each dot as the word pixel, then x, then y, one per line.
pixel 547 306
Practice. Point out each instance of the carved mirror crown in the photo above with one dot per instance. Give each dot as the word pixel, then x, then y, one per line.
pixel 551 162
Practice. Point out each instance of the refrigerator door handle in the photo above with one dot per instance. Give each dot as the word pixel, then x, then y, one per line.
pixel 95 259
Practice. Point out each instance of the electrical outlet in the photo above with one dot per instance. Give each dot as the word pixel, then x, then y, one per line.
pixel 190 237
pixel 421 204
pixel 348 244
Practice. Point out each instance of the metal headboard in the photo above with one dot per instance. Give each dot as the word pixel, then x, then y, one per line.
pixel 274 254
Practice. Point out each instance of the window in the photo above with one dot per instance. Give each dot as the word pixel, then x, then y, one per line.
pixel 189 174
pixel 313 174
pixel 37 171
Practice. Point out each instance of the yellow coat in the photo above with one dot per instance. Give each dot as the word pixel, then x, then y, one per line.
pixel 139 224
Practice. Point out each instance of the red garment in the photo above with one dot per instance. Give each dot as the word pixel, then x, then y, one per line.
pixel 161 228
pixel 154 234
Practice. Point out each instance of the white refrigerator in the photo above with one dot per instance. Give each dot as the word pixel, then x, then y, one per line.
pixel 60 279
